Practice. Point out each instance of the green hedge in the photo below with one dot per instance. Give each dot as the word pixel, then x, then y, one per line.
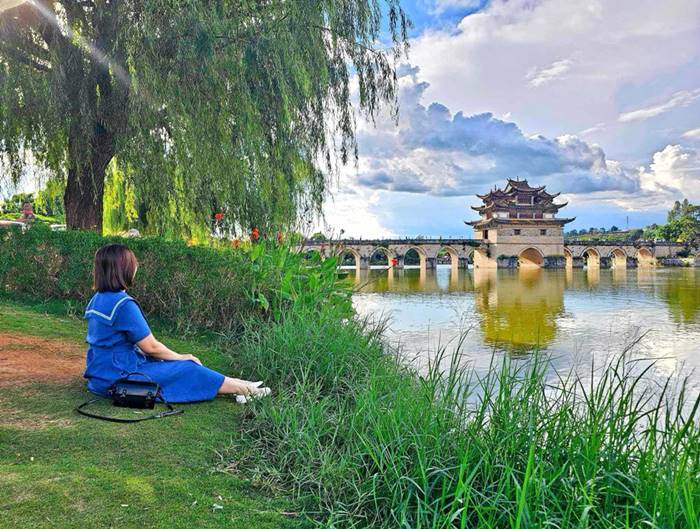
pixel 197 287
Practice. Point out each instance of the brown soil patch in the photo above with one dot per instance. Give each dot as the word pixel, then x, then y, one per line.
pixel 30 359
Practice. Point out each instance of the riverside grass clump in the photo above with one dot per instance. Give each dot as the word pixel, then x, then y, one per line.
pixel 363 441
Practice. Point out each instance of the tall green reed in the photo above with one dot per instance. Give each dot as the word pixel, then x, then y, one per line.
pixel 364 441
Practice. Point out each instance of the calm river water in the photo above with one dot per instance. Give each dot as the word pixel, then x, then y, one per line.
pixel 574 315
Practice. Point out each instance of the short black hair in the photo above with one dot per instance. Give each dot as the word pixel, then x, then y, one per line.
pixel 115 268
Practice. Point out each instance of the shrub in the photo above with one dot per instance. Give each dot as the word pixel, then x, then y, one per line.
pixel 188 286
pixel 194 287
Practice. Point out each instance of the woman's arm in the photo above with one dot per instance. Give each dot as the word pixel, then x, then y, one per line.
pixel 152 347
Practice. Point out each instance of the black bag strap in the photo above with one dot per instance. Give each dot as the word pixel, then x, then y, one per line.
pixel 167 413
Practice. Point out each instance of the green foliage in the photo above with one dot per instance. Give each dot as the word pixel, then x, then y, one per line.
pixel 365 442
pixel 683 224
pixel 207 105
pixel 611 235
pixel 284 281
pixel 190 286
pixel 119 201
pixel 14 204
pixel 49 200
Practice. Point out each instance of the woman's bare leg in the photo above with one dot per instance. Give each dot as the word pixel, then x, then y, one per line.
pixel 235 386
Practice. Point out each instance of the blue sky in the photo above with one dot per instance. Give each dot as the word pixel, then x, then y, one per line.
pixel 598 100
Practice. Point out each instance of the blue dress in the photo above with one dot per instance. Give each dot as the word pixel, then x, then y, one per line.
pixel 115 325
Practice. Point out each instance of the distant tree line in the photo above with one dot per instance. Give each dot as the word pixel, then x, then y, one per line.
pixel 682 225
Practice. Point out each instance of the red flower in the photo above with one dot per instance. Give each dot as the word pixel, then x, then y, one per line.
pixel 280 236
pixel 394 262
pixel 255 234
pixel 219 216
pixel 236 243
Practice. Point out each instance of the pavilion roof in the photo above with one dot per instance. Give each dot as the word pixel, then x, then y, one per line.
pixel 512 188
pixel 544 206
pixel 522 185
pixel 486 223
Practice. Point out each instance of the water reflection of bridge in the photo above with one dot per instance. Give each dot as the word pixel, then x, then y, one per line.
pixel 521 309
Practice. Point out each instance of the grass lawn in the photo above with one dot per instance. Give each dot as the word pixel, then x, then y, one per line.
pixel 58 469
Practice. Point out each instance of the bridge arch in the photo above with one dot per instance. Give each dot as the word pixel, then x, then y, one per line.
pixel 591 257
pixel 645 257
pixel 569 258
pixel 454 255
pixel 422 256
pixel 618 258
pixel 382 250
pixel 531 258
pixel 345 252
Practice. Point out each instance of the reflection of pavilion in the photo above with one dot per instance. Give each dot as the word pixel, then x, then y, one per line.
pixel 519 308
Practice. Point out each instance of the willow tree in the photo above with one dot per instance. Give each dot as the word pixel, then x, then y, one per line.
pixel 244 106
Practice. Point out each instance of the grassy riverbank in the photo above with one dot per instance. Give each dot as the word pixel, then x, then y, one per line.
pixel 351 437
pixel 58 469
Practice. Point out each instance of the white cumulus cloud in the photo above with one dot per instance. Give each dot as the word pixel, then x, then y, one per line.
pixel 587 60
pixel 674 173
pixel 437 152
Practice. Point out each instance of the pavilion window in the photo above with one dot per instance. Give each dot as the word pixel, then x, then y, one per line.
pixel 543 232
pixel 516 232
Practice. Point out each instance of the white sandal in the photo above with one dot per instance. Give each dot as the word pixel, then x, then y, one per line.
pixel 255 392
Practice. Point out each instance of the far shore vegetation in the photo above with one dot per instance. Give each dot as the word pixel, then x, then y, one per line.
pixel 682 225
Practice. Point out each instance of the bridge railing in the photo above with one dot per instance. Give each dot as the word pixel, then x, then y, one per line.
pixel 395 240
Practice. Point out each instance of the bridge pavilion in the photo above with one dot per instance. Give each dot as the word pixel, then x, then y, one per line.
pixel 520 222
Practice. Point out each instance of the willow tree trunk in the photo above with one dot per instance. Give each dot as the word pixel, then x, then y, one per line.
pixel 85 186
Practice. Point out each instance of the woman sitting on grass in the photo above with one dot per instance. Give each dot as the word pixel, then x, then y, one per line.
pixel 120 341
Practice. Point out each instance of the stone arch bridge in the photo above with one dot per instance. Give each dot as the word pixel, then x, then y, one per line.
pixel 463 252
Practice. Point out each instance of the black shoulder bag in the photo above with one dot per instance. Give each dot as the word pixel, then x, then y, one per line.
pixel 127 393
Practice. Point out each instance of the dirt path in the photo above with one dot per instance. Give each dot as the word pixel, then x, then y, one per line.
pixel 26 359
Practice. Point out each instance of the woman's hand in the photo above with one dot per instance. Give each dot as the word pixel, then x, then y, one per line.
pixel 152 347
pixel 191 357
